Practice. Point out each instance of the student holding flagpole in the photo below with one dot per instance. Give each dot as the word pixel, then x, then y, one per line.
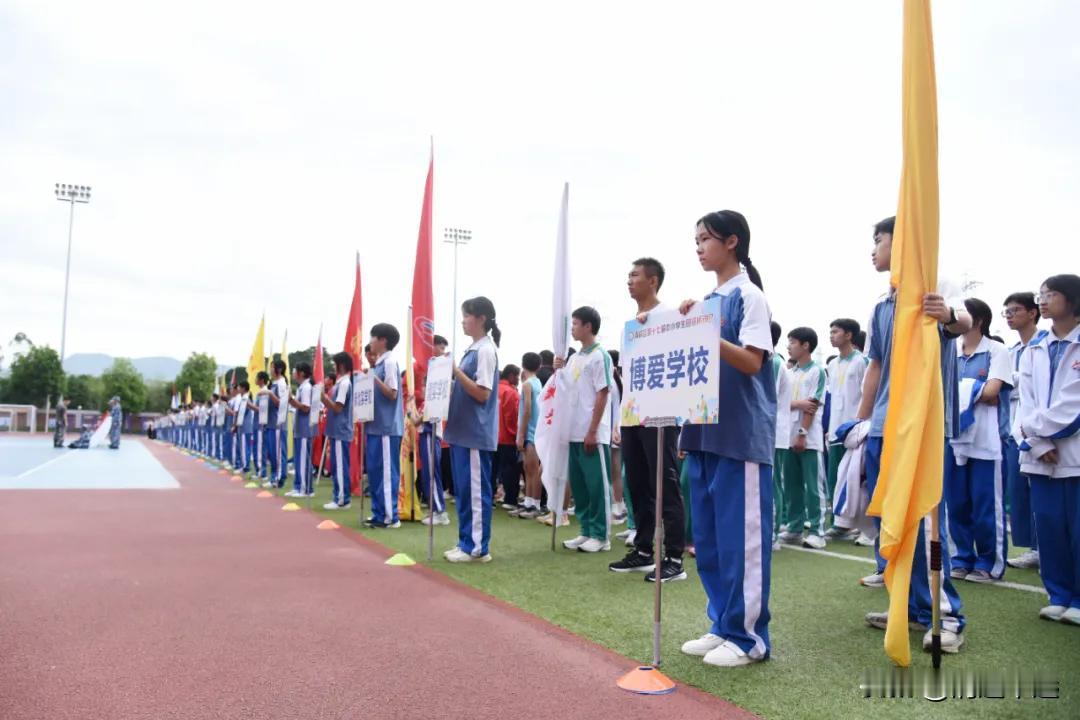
pixel 472 429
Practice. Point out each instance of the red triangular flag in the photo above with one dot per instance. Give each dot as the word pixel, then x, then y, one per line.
pixel 423 301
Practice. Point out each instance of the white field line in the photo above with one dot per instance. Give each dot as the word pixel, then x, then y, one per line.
pixel 44 464
pixel 842 556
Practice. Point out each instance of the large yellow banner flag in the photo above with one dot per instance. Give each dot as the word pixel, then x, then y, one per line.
pixel 911 464
pixel 257 358
pixel 408 499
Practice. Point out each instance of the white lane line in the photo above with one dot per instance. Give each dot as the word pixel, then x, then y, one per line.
pixel 47 462
pixel 842 556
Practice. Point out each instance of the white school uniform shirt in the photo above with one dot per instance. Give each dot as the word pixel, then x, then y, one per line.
pixel 808 381
pixel 283 394
pixel 1015 353
pixel 1049 415
pixel 783 403
pixel 845 386
pixel 588 372
pixel 314 402
pixel 219 414
pixel 982 440
pixel 263 402
pixel 241 411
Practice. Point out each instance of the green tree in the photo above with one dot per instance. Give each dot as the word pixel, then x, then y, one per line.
pixel 124 381
pixel 85 391
pixel 308 356
pixel 35 376
pixel 237 375
pixel 158 396
pixel 199 373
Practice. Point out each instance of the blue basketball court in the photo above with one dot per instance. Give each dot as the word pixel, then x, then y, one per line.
pixel 32 463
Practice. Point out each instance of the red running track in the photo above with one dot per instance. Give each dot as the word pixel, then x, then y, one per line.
pixel 206 602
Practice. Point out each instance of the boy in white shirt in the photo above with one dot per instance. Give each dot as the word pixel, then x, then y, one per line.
pixel 845 373
pixel 803 489
pixel 590 381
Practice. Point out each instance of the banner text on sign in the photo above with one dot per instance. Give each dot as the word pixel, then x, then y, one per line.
pixel 363 397
pixel 437 390
pixel 670 362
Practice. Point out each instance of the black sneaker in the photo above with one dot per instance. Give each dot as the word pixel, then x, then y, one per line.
pixel 633 562
pixel 375 524
pixel 670 571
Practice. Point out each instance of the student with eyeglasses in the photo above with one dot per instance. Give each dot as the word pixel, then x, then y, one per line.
pixel 1021 312
pixel 1048 432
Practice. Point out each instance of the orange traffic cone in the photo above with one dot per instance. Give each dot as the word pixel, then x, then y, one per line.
pixel 646 680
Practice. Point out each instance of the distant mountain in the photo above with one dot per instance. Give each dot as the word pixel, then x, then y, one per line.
pixel 151 368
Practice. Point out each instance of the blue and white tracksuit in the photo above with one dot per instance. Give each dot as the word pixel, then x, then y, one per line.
pixel 729 466
pixel 430 451
pixel 382 449
pixel 879 341
pixel 1049 420
pixel 1021 519
pixel 472 431
pixel 339 433
pixel 302 433
pixel 974 488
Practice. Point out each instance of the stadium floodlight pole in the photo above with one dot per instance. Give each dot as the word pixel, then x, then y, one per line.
pixel 69 194
pixel 456 237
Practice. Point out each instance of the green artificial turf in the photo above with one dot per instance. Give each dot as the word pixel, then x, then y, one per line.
pixel 821 645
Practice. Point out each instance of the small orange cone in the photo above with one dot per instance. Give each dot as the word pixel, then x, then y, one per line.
pixel 327 525
pixel 265 493
pixel 236 478
pixel 646 680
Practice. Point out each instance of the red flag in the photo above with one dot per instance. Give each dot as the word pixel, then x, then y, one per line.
pixel 423 300
pixel 317 364
pixel 354 345
pixel 354 340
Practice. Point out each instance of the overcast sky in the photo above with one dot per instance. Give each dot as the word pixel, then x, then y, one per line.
pixel 241 156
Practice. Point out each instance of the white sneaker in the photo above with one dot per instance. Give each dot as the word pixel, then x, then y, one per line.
pixel 631 538
pixel 876 580
pixel 267 484
pixel 864 540
pixel 293 493
pixel 1053 612
pixel 959 573
pixel 508 506
pixel 792 538
pixel 335 506
pixel 703 645
pixel 570 510
pixel 457 555
pixel 394 525
pixel 623 535
pixel 1029 559
pixel 727 655
pixel 1071 617
pixel 451 551
pixel 592 545
pixel 777 546
pixel 438 519
pixel 814 541
pixel 575 543
pixel 950 641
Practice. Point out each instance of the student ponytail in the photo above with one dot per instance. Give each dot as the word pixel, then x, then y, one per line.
pixel 981 314
pixel 482 307
pixel 723 224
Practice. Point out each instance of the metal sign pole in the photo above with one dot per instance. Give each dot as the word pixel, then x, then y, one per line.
pixel 659 424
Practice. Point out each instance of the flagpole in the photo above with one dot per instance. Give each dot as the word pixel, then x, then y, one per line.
pixel 658 543
pixel 431 498
pixel 935 588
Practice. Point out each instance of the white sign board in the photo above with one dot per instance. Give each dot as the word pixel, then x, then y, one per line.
pixel 670 367
pixel 363 397
pixel 437 389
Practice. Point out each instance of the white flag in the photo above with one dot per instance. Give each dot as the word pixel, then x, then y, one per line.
pixel 552 431
pixel 560 301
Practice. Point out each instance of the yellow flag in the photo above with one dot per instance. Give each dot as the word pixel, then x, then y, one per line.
pixel 914 438
pixel 408 498
pixel 187 395
pixel 257 358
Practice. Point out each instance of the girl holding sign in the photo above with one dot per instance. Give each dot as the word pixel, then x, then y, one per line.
pixel 472 430
pixel 730 466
